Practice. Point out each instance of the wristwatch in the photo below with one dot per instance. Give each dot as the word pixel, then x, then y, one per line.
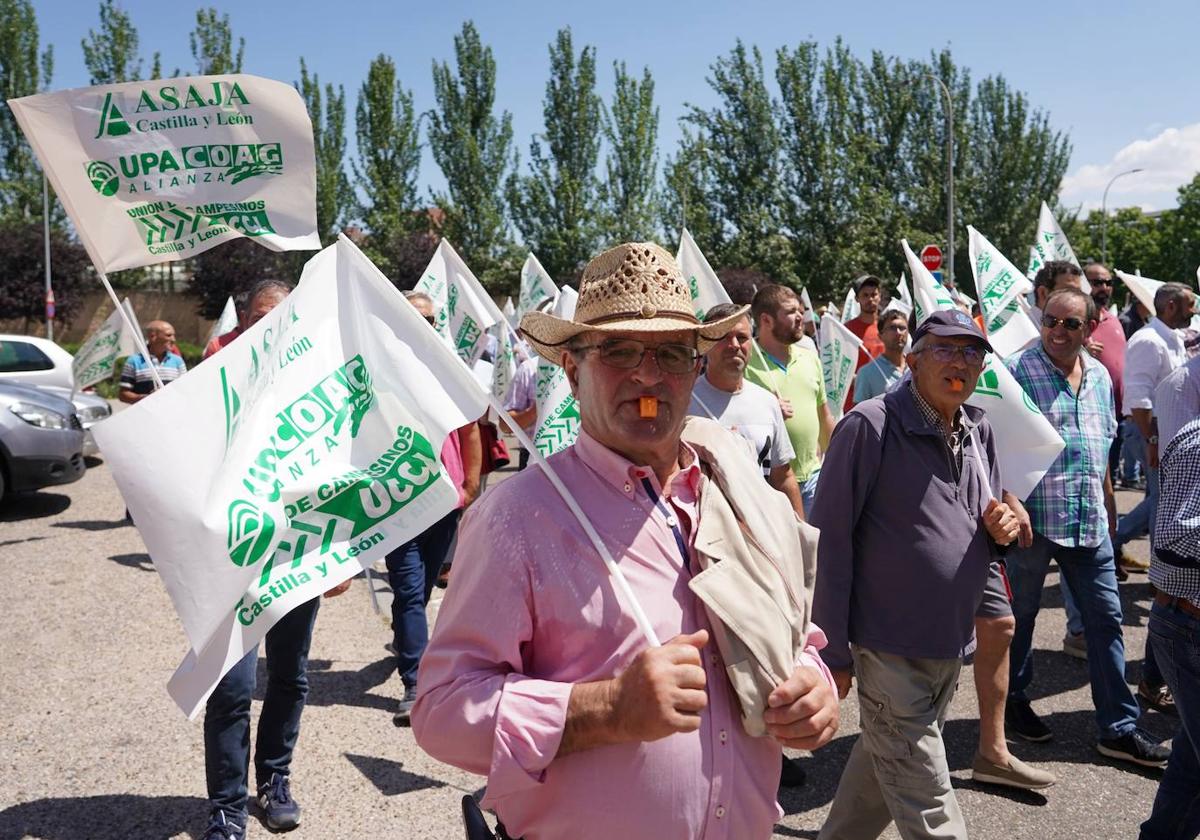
pixel 1152 440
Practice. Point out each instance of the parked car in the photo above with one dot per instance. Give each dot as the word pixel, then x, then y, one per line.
pixel 41 440
pixel 91 408
pixel 34 361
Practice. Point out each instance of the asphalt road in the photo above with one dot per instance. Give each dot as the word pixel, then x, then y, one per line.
pixel 91 746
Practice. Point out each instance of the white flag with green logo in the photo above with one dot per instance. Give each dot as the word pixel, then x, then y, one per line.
pixel 166 169
pixel 1035 263
pixel 536 286
pixel 291 459
pixel 703 282
pixel 504 365
pixel 1000 285
pixel 459 304
pixel 1026 443
pixel 1051 244
pixel 811 314
pixel 225 323
pixel 95 360
pixel 557 411
pixel 928 294
pixel 839 359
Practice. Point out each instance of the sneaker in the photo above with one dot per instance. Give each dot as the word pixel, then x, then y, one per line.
pixel 792 775
pixel 1017 774
pixel 221 827
pixel 1158 698
pixel 1021 720
pixel 403 717
pixel 275 798
pixel 1129 563
pixel 1136 747
pixel 1074 644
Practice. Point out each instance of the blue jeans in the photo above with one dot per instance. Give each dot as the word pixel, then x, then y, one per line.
pixel 1176 639
pixel 808 491
pixel 1092 576
pixel 227 715
pixel 1074 617
pixel 412 572
pixel 1139 521
pixel 1129 436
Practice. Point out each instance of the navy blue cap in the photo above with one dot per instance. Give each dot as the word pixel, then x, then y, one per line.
pixel 949 323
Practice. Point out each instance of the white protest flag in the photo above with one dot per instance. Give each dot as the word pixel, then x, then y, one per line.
pixel 808 307
pixel 902 288
pixel 225 323
pixel 831 309
pixel 928 294
pixel 1051 244
pixel 1035 263
pixel 1143 288
pixel 850 307
pixel 164 170
pixel 1000 284
pixel 504 364
pixel 510 313
pixel 839 357
pixel 95 360
pixel 1026 443
pixel 463 314
pixel 536 286
pixel 557 411
pixel 703 282
pixel 900 306
pixel 290 460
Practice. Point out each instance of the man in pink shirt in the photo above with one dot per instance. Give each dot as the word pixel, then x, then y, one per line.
pixel 537 674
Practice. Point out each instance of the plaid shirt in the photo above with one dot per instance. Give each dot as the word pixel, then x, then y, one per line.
pixel 954 436
pixel 1067 506
pixel 1177 525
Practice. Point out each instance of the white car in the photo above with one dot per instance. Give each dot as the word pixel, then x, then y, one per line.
pixel 34 361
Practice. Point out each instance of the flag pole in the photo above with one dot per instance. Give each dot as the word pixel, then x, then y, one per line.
pixel 134 331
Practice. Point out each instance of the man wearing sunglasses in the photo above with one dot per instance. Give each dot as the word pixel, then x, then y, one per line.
pixel 537 674
pixel 909 515
pixel 1073 515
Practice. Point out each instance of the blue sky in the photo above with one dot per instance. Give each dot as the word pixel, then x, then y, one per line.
pixel 1119 77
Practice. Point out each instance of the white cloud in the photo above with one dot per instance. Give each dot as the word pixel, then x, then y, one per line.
pixel 1169 160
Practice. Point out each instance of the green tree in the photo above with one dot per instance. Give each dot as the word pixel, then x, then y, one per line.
pixel 23 71
pixel 1180 238
pixel 335 197
pixel 555 206
pixel 23 277
pixel 743 151
pixel 631 128
pixel 212 44
pixel 389 157
pixel 111 54
pixel 472 146
pixel 688 184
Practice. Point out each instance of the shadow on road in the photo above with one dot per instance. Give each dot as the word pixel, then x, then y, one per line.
pixel 16 508
pixel 389 777
pixel 327 687
pixel 95 524
pixel 18 542
pixel 109 817
pixel 134 561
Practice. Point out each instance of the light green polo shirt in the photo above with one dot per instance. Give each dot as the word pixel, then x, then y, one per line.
pixel 803 386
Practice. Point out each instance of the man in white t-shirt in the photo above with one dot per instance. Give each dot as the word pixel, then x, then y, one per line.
pixel 752 411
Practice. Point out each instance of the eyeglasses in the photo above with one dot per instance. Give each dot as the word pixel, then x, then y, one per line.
pixel 627 354
pixel 1050 322
pixel 1100 282
pixel 947 353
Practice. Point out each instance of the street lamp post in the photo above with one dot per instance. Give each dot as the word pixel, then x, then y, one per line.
pixel 1104 214
pixel 949 179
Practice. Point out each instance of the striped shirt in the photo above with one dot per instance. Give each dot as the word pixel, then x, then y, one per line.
pixel 137 376
pixel 1067 506
pixel 1175 562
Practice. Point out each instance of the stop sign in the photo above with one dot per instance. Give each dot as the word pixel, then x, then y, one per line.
pixel 931 257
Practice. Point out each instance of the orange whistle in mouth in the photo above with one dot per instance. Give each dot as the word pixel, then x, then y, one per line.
pixel 648 407
pixel 956 385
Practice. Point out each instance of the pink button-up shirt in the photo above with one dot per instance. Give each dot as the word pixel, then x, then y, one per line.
pixel 532 611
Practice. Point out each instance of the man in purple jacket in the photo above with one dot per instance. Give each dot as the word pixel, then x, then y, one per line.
pixel 910 524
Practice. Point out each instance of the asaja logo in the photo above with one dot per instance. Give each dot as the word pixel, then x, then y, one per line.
pixel 103 177
pixel 112 121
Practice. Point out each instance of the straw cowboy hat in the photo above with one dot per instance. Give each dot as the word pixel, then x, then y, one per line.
pixel 634 287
